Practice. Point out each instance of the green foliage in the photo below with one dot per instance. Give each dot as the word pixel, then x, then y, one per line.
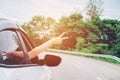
pixel 110 28
pixel 80 43
pixel 72 26
pixel 101 36
pixel 92 37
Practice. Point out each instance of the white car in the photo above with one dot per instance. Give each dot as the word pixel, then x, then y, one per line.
pixel 13 38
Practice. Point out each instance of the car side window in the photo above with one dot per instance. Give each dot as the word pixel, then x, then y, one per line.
pixel 8 42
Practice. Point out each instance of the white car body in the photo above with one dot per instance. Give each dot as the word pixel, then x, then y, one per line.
pixel 25 73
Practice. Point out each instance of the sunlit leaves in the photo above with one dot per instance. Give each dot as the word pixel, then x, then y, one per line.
pixel 39 28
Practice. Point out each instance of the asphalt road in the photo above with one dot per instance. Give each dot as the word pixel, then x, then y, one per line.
pixel 79 68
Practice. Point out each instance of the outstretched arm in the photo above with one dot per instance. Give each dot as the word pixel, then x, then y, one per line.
pixel 34 52
pixel 58 40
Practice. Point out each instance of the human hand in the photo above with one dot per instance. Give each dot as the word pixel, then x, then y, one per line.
pixel 59 39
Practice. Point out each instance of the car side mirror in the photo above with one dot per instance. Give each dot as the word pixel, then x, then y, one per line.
pixel 52 60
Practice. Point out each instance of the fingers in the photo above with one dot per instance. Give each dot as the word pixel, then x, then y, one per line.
pixel 65 38
pixel 62 34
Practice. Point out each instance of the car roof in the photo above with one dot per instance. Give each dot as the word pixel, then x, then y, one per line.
pixel 5 23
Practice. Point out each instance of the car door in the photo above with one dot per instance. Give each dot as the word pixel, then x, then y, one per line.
pixel 12 39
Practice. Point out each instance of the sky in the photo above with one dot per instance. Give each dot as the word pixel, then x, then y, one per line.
pixel 23 10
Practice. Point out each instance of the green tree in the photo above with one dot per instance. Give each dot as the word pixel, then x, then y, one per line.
pixel 71 25
pixel 91 36
pixel 104 36
pixel 111 31
pixel 94 42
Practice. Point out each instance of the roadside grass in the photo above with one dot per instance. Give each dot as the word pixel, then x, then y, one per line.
pixel 110 60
